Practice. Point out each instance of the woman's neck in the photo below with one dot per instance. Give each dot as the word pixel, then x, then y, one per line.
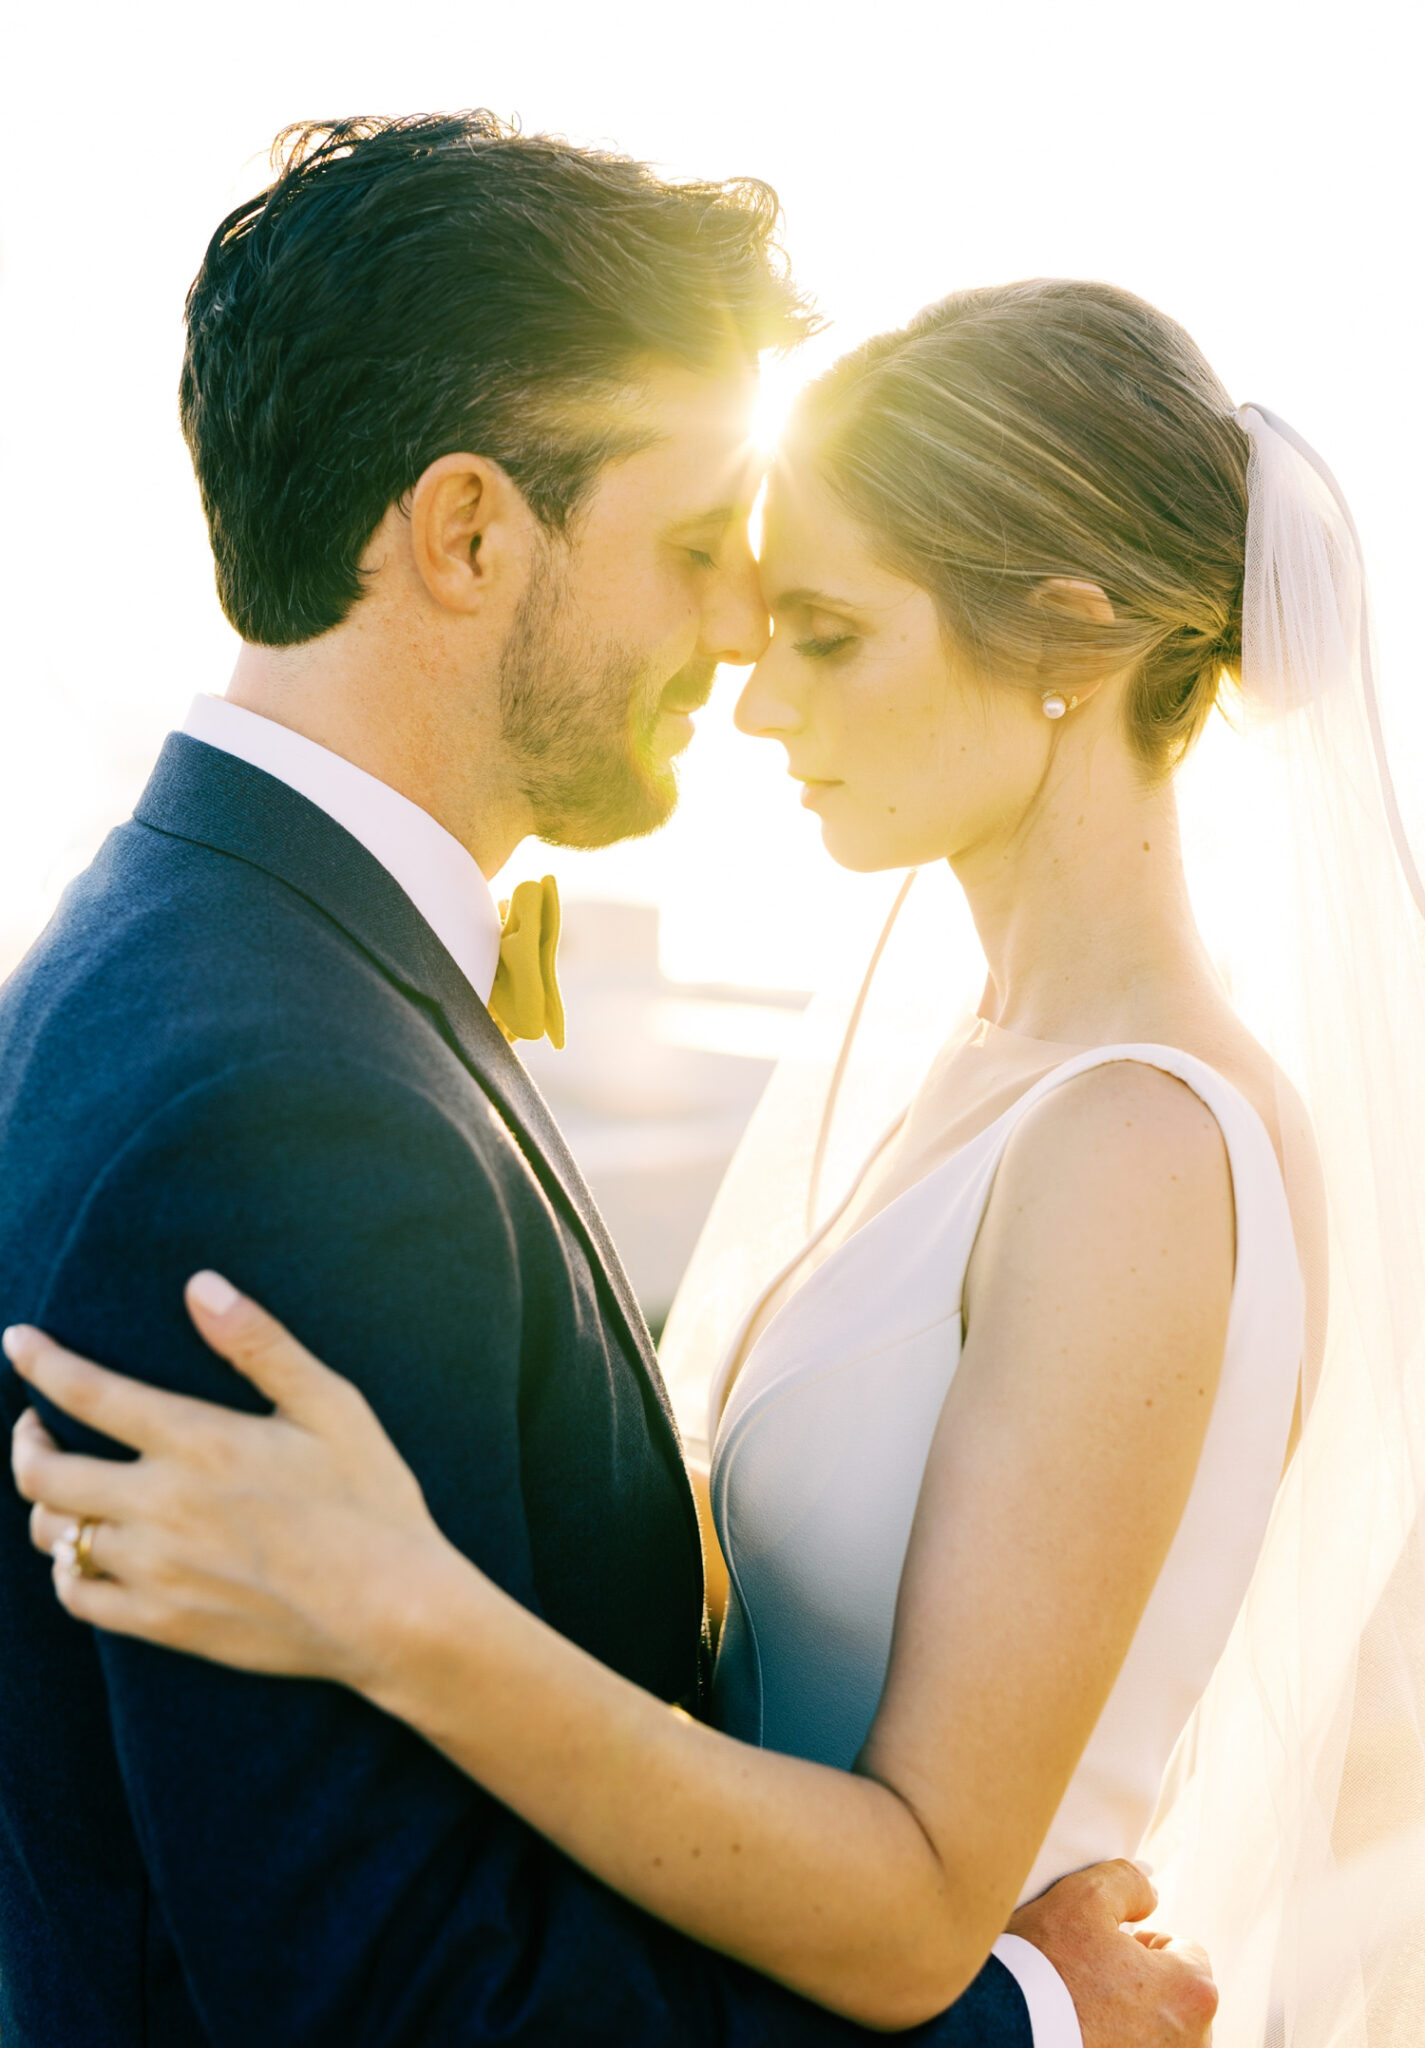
pixel 1082 908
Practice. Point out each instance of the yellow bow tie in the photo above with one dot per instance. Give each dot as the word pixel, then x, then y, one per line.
pixel 525 1001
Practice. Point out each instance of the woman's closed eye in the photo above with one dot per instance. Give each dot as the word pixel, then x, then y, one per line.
pixel 822 647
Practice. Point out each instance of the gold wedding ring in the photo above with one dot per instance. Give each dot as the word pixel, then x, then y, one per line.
pixel 84 1566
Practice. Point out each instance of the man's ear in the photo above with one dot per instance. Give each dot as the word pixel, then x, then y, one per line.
pixel 470 528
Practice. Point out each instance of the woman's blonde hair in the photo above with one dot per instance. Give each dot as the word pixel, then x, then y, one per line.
pixel 1051 429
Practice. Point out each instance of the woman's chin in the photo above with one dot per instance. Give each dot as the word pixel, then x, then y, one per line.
pixel 866 852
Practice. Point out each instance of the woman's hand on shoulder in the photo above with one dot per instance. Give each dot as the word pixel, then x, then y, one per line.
pixel 277 1543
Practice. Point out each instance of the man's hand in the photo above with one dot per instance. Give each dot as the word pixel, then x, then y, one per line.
pixel 1129 1990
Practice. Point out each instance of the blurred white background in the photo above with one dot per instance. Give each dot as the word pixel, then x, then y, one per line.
pixel 1252 167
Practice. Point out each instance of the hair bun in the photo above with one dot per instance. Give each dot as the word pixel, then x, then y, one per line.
pixel 1229 640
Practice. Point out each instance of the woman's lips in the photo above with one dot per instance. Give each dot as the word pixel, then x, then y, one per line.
pixel 812 791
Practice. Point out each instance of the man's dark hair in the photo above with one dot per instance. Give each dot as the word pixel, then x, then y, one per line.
pixel 408 288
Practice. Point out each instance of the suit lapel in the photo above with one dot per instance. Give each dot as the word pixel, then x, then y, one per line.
pixel 198 792
pixel 486 1052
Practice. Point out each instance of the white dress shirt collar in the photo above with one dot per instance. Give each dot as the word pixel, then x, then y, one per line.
pixel 443 881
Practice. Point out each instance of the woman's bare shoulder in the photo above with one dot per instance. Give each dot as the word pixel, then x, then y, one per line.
pixel 1108 1168
pixel 1119 1117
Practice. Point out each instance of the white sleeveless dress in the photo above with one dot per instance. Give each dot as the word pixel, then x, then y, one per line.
pixel 819 1454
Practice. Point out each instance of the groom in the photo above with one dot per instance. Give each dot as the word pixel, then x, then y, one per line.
pixel 468 412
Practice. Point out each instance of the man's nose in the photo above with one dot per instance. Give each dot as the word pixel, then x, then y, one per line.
pixel 735 625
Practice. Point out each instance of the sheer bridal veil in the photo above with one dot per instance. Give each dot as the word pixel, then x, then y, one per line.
pixel 1291 1833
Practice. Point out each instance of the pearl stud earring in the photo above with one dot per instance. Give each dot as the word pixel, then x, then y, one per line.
pixel 1054 704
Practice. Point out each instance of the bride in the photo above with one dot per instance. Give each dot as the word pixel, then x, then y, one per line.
pixel 996 1452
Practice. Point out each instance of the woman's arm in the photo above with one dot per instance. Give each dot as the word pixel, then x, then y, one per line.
pixel 1098 1304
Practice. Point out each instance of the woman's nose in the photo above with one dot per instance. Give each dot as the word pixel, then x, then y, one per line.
pixel 766 710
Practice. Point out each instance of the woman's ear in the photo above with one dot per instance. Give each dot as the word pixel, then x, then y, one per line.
pixel 1076 598
pixel 469 527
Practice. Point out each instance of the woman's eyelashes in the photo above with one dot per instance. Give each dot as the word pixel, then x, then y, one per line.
pixel 821 647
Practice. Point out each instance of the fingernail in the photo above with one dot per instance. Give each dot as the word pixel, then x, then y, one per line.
pixel 13 1340
pixel 212 1292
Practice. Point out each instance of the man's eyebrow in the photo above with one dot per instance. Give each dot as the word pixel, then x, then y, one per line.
pixel 716 515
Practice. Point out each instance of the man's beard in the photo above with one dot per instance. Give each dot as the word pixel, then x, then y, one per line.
pixel 580 722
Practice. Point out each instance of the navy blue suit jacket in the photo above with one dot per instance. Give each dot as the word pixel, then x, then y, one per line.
pixel 238 1045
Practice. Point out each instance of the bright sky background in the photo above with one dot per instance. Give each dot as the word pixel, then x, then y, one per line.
pixel 1254 168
